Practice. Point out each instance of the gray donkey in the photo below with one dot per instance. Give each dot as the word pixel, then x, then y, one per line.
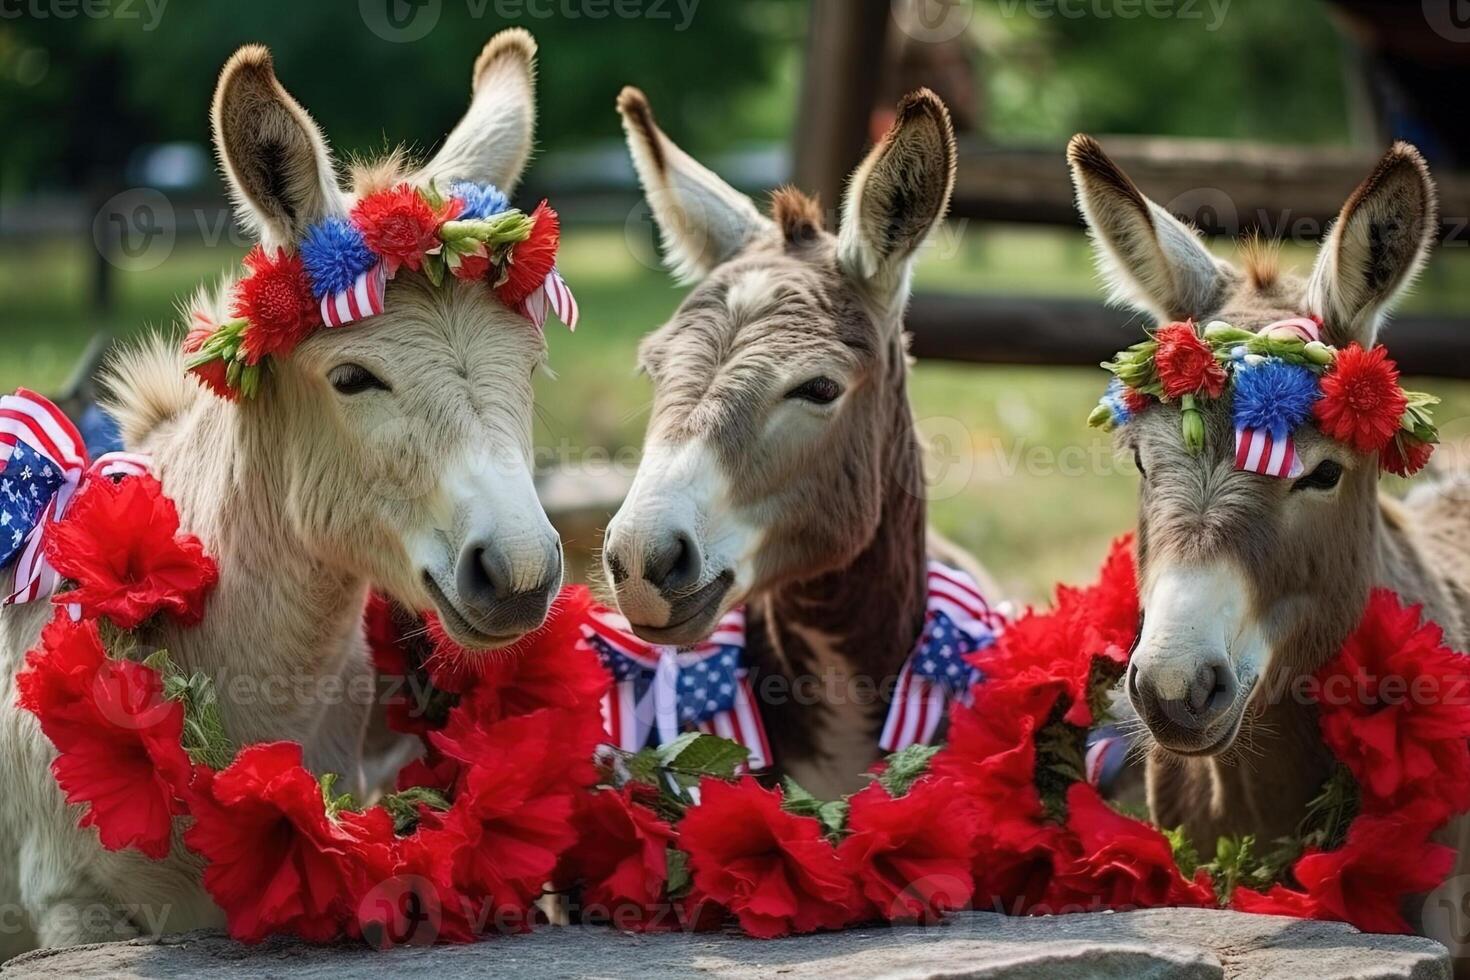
pixel 1250 582
pixel 782 469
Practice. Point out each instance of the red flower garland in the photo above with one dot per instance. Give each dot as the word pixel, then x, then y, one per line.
pixel 533 258
pixel 1361 401
pixel 1186 364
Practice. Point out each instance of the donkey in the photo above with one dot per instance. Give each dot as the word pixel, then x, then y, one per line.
pixel 1248 582
pixel 781 467
pixel 395 452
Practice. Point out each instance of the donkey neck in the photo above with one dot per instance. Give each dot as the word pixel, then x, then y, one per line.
pixel 839 638
pixel 280 624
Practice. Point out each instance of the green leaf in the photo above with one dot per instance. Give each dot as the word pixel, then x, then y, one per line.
pixel 903 768
pixel 678 872
pixel 697 754
pixel 403 806
pixel 644 766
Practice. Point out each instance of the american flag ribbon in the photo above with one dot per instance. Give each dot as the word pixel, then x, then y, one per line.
pixel 43 465
pixel 659 692
pixel 1257 451
pixel 554 295
pixel 364 298
pixel 959 622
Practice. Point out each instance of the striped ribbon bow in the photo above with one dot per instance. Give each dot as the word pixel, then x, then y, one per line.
pixel 43 464
pixel 959 622
pixel 659 692
pixel 1257 450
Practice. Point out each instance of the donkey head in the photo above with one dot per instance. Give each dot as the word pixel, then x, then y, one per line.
pixel 779 382
pixel 1246 578
pixel 403 440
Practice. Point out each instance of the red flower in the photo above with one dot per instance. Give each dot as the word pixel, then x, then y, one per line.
pixel 513 803
pixel 214 374
pixel 1404 455
pixel 1122 863
pixel 1186 364
pixel 120 543
pixel 1365 882
pixel 277 862
pixel 1361 401
pixel 402 226
pixel 531 259
pixel 912 854
pixel 118 739
pixel 1135 400
pixel 991 753
pixel 1016 859
pixel 1396 709
pixel 621 858
pixel 1278 900
pixel 276 298
pixel 472 268
pixel 774 870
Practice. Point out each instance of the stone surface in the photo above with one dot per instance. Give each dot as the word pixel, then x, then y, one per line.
pixel 1149 945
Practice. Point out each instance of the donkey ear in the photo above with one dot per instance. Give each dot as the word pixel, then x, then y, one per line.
pixel 897 195
pixel 1151 260
pixel 273 155
pixel 1376 247
pixel 492 142
pixel 701 219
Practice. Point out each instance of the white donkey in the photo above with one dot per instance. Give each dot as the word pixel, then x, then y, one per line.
pixel 396 452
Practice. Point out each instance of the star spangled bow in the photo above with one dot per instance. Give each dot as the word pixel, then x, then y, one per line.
pixel 959 623
pixel 659 692
pixel 43 464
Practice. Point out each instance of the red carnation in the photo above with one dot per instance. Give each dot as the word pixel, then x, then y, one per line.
pixel 991 752
pixel 774 870
pixel 472 268
pixel 402 226
pixel 1122 863
pixel 214 374
pixel 120 543
pixel 1135 400
pixel 621 857
pixel 913 854
pixel 1016 859
pixel 1186 364
pixel 513 803
pixel 118 739
pixel 277 862
pixel 1404 455
pixel 1395 709
pixel 532 259
pixel 1278 900
pixel 1383 862
pixel 1361 401
pixel 276 298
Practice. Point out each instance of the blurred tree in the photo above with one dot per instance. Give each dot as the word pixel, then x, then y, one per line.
pixel 79 93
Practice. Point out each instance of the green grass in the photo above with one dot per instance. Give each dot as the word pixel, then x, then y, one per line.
pixel 1018 477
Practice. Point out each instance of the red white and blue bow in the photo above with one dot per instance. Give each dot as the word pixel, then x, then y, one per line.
pixel 1257 450
pixel 553 294
pixel 659 692
pixel 959 623
pixel 43 463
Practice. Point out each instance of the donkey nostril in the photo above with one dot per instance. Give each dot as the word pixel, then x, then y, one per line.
pixel 483 575
pixel 676 565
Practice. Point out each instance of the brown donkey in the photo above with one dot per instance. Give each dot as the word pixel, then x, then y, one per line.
pixel 782 469
pixel 1249 582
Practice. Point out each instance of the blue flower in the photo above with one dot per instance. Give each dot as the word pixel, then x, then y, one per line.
pixel 335 254
pixel 1117 403
pixel 1274 396
pixel 480 200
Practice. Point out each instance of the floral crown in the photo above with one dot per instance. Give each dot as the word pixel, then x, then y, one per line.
pixel 1279 378
pixel 339 271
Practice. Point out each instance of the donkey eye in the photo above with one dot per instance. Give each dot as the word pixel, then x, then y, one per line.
pixel 1324 477
pixel 354 379
pixel 818 391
